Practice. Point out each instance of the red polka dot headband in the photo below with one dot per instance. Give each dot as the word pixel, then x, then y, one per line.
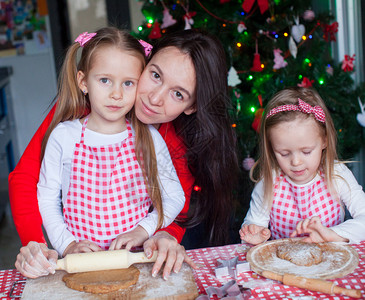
pixel 303 107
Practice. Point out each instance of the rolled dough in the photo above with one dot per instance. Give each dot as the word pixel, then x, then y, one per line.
pixel 300 253
pixel 338 260
pixel 102 282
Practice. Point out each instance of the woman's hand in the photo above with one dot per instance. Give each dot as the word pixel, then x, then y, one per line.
pixel 35 260
pixel 81 247
pixel 254 234
pixel 132 238
pixel 169 251
pixel 317 232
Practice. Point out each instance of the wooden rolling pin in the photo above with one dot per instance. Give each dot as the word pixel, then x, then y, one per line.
pixel 102 260
pixel 312 284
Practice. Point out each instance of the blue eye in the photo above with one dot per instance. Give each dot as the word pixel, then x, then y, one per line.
pixel 104 80
pixel 128 83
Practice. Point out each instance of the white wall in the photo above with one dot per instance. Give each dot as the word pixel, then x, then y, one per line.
pixel 34 82
pixel 135 10
pixel 86 16
pixel 33 86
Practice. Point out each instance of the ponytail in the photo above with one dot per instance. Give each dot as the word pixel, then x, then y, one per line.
pixel 71 102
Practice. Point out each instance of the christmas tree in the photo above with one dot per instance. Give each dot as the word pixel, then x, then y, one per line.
pixel 270 45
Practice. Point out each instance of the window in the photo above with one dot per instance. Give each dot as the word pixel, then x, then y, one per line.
pixel 349 14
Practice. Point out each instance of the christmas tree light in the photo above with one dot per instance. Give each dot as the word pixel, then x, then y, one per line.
pixel 250 38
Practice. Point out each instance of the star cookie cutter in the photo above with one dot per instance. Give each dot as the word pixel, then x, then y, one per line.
pixel 231 267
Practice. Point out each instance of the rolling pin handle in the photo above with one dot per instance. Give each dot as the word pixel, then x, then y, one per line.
pixel 347 292
pixel 312 284
pixel 61 264
pixel 140 257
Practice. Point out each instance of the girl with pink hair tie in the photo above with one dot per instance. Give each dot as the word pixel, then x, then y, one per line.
pixel 106 180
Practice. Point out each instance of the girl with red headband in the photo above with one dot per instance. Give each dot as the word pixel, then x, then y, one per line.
pixel 302 189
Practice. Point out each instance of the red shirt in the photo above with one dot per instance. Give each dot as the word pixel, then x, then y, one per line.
pixel 23 184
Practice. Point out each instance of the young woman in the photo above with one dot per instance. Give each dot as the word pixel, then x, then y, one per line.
pixel 182 92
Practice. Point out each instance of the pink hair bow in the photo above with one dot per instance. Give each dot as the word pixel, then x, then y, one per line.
pixel 83 38
pixel 316 110
pixel 147 47
pixel 303 107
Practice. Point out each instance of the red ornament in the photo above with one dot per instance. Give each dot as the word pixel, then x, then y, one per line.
pixel 155 32
pixel 188 17
pixel 348 63
pixel 263 5
pixel 257 121
pixel 306 83
pixel 256 66
pixel 329 31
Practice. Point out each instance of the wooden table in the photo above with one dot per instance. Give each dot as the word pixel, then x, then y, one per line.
pixel 207 260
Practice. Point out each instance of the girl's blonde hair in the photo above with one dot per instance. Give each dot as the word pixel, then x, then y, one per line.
pixel 73 104
pixel 266 164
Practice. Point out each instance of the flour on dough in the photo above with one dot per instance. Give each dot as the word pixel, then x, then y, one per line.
pixel 300 253
pixel 102 282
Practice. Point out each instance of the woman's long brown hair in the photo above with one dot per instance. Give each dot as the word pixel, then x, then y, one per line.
pixel 208 133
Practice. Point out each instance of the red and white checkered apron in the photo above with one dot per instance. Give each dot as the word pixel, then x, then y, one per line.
pixel 292 203
pixel 107 194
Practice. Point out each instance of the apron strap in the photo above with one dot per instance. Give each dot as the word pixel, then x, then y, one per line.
pixel 83 130
pixel 129 129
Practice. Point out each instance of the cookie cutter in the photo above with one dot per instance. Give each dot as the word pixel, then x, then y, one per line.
pixel 229 291
pixel 231 267
pixel 11 293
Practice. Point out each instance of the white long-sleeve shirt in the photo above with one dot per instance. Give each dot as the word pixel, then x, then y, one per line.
pixel 54 179
pixel 349 192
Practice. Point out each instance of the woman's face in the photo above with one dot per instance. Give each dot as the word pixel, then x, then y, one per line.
pixel 166 87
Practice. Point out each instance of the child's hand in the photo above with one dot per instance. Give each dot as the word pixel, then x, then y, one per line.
pixel 317 232
pixel 254 234
pixel 81 247
pixel 133 238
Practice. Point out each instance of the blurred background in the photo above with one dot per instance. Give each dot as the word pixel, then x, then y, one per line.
pixel 269 44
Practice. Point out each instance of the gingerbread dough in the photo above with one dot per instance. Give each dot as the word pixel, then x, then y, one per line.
pixel 300 253
pixel 338 260
pixel 102 282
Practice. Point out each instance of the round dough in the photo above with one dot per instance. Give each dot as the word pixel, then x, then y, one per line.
pixel 102 282
pixel 300 253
